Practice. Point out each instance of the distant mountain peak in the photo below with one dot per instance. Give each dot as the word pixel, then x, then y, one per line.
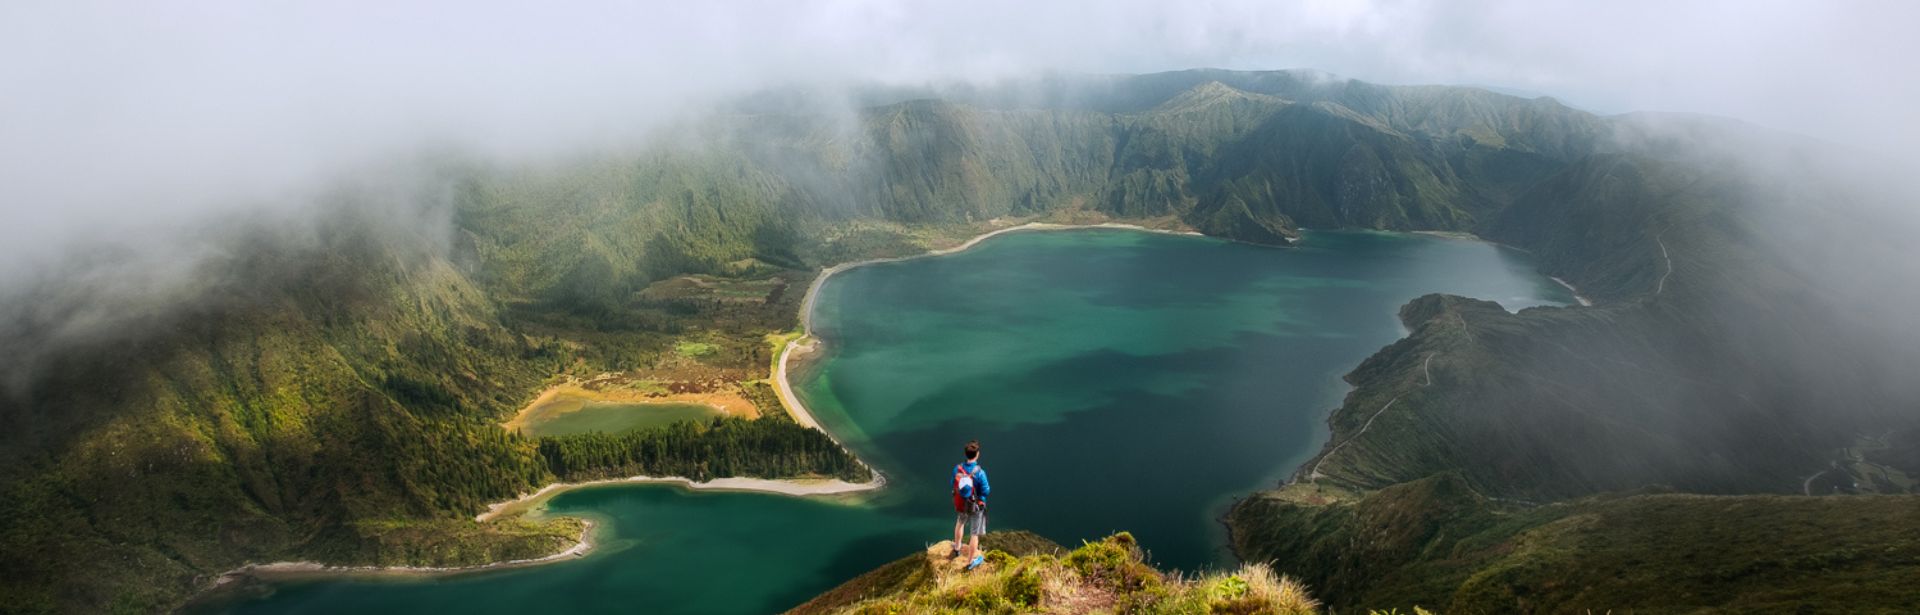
pixel 1213 93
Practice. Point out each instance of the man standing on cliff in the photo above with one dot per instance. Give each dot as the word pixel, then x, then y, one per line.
pixel 970 491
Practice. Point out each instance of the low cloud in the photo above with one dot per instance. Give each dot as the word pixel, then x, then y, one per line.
pixel 117 108
pixel 138 124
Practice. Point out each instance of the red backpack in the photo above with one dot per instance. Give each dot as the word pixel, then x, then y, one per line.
pixel 961 477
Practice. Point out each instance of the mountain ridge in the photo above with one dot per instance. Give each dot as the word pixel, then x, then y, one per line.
pixel 422 350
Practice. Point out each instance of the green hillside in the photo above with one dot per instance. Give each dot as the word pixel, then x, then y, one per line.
pixel 338 397
pixel 1486 451
pixel 1437 543
pixel 336 393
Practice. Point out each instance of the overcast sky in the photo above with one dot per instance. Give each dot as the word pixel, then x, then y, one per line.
pixel 118 114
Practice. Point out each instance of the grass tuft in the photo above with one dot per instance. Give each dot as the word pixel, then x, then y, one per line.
pixel 1105 576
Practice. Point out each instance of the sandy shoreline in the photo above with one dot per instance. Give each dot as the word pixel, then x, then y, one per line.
pixel 1584 301
pixel 782 486
pixel 805 344
pixel 293 571
pixel 801 487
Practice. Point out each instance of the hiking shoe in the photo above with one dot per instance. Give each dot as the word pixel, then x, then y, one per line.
pixel 977 560
pixel 954 553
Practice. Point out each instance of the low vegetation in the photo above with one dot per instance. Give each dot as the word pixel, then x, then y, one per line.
pixel 1536 461
pixel 1436 543
pixel 449 543
pixel 1027 574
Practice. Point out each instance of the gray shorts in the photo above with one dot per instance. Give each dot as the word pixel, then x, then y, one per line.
pixel 975 523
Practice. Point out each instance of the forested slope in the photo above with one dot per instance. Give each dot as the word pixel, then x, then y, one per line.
pixel 313 392
pixel 1716 362
pixel 1437 543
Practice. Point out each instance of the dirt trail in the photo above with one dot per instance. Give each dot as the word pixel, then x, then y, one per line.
pixel 1314 474
pixel 1659 239
pixel 1807 487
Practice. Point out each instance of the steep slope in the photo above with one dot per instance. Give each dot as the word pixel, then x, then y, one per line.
pixel 320 398
pixel 333 384
pixel 1714 364
pixel 1322 165
pixel 935 161
pixel 1697 371
pixel 1236 162
pixel 1510 392
pixel 1435 542
pixel 334 401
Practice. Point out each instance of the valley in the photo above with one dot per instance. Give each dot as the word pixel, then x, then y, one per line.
pixel 352 394
pixel 1012 341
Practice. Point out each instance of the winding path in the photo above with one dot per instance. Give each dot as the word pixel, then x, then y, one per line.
pixel 1807 487
pixel 1427 371
pixel 1659 239
pixel 1314 475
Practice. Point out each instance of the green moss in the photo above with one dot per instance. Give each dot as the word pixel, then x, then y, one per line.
pixel 694 349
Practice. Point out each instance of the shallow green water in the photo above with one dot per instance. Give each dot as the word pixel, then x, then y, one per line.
pixel 617 417
pixel 1118 381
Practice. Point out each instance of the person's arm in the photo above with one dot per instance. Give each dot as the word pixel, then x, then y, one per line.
pixel 985 489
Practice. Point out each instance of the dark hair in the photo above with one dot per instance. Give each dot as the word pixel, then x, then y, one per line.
pixel 972 450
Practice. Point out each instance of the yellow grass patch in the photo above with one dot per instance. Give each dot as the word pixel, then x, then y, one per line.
pixel 572 395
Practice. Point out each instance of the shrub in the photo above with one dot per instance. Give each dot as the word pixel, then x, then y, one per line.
pixel 1255 589
pixel 1022 587
pixel 1114 562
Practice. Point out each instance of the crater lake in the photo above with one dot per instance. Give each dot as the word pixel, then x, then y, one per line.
pixel 1117 380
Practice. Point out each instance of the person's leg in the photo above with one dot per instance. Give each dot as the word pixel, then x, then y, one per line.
pixel 979 527
pixel 976 525
pixel 959 524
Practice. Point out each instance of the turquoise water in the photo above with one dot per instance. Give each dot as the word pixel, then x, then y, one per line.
pixel 1117 380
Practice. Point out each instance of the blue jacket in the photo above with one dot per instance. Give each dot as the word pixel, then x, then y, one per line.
pixel 979 479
